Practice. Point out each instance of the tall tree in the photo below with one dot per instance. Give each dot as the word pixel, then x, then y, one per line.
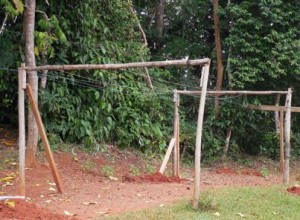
pixel 159 17
pixel 218 52
pixel 29 23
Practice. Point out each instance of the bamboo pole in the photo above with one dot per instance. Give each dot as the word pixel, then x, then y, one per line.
pixel 196 192
pixel 21 119
pixel 232 92
pixel 122 65
pixel 287 136
pixel 281 140
pixel 175 134
pixel 167 156
pixel 44 139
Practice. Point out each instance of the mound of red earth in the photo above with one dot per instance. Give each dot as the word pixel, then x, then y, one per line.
pixel 228 171
pixel 294 190
pixel 153 178
pixel 28 211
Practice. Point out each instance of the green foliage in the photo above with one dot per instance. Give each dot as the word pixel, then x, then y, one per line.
pixel 88 166
pixel 108 171
pixel 265 43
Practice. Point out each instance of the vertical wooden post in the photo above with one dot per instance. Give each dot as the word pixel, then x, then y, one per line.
pixel 44 138
pixel 178 136
pixel 288 105
pixel 281 140
pixel 175 134
pixel 196 193
pixel 21 115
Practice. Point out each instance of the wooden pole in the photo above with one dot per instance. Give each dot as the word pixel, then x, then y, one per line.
pixel 122 65
pixel 276 115
pixel 44 138
pixel 239 92
pixel 281 140
pixel 175 134
pixel 196 193
pixel 287 136
pixel 22 136
pixel 178 137
pixel 167 156
pixel 271 108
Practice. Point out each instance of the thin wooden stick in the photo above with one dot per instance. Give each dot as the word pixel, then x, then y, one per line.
pixel 22 136
pixel 167 156
pixel 196 192
pixel 281 140
pixel 287 136
pixel 232 92
pixel 44 139
pixel 122 65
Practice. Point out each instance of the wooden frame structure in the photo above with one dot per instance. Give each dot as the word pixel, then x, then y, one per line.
pixel 23 86
pixel 23 70
pixel 285 130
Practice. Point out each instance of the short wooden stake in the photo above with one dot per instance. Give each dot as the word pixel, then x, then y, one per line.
pixel 167 156
pixel 281 140
pixel 21 115
pixel 287 136
pixel 196 192
pixel 44 138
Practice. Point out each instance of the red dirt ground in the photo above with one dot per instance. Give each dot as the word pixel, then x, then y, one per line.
pixel 89 192
pixel 294 190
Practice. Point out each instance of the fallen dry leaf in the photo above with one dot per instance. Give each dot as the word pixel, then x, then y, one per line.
pixel 69 213
pixel 113 178
pixel 89 203
pixel 216 214
pixel 102 212
pixel 51 184
pixel 76 159
pixel 242 215
pixel 10 204
pixel 52 189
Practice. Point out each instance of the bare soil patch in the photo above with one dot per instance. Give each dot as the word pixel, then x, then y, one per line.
pixel 108 182
pixel 295 190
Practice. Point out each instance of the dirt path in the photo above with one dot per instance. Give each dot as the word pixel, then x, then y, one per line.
pixel 88 194
pixel 106 183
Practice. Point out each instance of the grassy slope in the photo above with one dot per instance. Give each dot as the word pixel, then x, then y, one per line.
pixel 233 203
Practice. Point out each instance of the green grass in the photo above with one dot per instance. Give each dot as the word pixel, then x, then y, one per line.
pixel 229 203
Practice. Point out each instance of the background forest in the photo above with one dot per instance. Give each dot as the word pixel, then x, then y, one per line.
pixel 259 49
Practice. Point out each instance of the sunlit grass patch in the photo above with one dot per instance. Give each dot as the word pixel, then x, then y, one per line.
pixel 230 203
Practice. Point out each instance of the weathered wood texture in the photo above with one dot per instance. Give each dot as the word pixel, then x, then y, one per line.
pixel 196 192
pixel 175 135
pixel 281 140
pixel 287 138
pixel 122 65
pixel 167 156
pixel 232 92
pixel 272 108
pixel 44 138
pixel 22 136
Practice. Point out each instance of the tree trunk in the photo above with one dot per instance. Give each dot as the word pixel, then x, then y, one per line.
pixel 159 17
pixel 219 53
pixel 29 21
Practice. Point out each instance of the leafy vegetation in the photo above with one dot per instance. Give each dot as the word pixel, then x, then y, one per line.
pixel 260 44
pixel 237 203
